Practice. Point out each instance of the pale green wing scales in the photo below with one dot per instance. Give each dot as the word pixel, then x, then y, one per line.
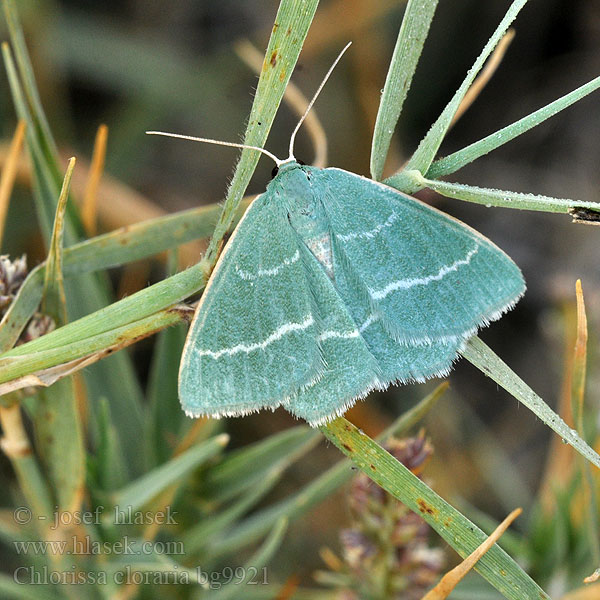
pixel 253 341
pixel 427 276
pixel 398 362
pixel 351 371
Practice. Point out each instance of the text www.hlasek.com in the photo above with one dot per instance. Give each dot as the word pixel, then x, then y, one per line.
pixel 81 546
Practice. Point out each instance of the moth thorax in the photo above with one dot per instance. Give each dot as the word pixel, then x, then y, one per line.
pixel 321 249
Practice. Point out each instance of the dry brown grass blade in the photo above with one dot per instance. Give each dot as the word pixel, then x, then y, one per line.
pixel 89 208
pixel 560 458
pixel 330 558
pixel 14 442
pixel 9 173
pixel 341 21
pixel 589 592
pixel 47 377
pixel 294 98
pixel 584 506
pixel 118 205
pixel 289 588
pixel 451 579
pixel 580 358
pixel 595 576
pixel 486 74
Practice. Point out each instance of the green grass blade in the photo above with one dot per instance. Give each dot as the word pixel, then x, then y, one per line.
pixel 500 198
pixel 26 71
pixel 487 362
pixel 457 160
pixel 107 468
pixel 109 250
pixel 115 377
pixel 289 32
pixel 143 489
pixel 409 45
pixel 165 421
pixel 54 303
pixel 417 413
pixel 144 239
pixel 262 556
pixel 246 467
pixel 56 418
pixel 257 525
pixel 496 566
pixel 16 590
pixel 427 149
pixel 202 535
pixel 131 309
pixel 106 343
pixel 59 437
pixel 45 186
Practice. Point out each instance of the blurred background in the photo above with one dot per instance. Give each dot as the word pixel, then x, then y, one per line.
pixel 151 64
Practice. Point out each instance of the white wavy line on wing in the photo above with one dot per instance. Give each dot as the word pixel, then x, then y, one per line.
pixel 371 233
pixel 404 284
pixel 247 348
pixel 268 272
pixel 326 335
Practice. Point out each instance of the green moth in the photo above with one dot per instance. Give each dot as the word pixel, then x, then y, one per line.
pixel 334 285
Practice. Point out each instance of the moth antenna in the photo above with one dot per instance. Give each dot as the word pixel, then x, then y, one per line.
pixel 278 162
pixel 310 104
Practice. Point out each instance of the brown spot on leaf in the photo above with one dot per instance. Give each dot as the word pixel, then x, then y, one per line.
pixel 349 448
pixel 425 508
pixel 288 31
pixel 275 27
pixel 373 467
pixel 273 60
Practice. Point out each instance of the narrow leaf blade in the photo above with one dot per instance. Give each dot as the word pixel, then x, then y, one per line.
pixel 486 361
pixel 409 45
pixel 457 160
pixel 464 536
pixel 427 149
pixel 500 198
pixel 143 489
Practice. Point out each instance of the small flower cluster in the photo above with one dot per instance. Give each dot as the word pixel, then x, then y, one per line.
pixel 12 276
pixel 386 554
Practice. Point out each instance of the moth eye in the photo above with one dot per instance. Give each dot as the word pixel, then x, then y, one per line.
pixel 274 171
